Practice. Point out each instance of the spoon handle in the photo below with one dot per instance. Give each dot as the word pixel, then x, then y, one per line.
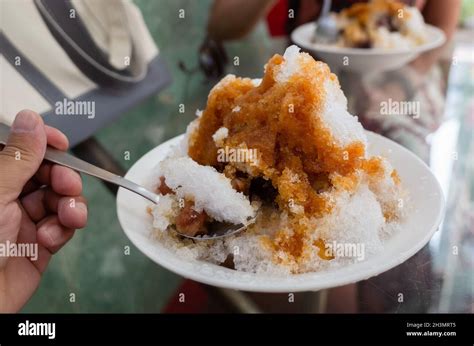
pixel 326 8
pixel 64 159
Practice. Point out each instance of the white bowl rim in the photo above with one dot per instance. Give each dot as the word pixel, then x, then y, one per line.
pixel 438 38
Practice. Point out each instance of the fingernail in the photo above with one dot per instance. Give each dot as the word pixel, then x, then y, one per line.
pixel 24 122
pixel 81 206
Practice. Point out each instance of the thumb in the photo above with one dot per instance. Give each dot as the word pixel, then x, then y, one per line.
pixel 22 155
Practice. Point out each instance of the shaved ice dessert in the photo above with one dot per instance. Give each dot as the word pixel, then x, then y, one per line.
pixel 283 156
pixel 380 24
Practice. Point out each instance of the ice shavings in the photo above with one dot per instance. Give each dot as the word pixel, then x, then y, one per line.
pixel 210 190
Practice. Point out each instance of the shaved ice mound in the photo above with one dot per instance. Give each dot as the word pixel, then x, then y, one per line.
pixel 284 152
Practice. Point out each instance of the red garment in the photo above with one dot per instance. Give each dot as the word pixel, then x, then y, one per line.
pixel 276 18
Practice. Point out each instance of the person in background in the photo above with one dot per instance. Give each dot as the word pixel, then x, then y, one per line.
pixel 41 205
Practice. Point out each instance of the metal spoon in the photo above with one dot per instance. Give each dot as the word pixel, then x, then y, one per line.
pixel 215 230
pixel 326 28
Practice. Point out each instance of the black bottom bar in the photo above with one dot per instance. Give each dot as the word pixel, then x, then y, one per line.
pixel 433 329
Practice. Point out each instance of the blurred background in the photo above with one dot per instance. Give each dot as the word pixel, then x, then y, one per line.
pixel 104 272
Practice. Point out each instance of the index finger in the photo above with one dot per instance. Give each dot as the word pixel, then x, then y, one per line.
pixel 56 138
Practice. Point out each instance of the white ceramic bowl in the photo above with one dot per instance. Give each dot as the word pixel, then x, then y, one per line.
pixel 423 220
pixel 363 60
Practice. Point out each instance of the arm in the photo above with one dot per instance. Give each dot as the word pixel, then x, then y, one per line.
pixel 233 19
pixel 444 15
